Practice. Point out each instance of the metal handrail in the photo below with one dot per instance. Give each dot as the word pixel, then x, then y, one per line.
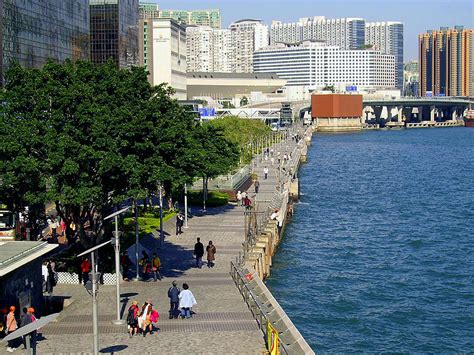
pixel 254 304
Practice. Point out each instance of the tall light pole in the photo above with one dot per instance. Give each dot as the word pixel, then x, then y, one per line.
pixel 116 243
pixel 93 290
pixel 185 205
pixel 161 213
pixel 137 273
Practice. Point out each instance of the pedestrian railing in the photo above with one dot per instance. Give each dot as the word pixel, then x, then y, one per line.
pixel 266 310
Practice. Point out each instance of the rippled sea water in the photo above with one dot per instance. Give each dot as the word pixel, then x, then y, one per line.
pixel 379 255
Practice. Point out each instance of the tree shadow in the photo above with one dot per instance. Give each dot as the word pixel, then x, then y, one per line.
pixel 54 304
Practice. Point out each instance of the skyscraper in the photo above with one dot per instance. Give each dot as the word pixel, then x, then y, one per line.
pixel 447 62
pixel 27 37
pixel 211 18
pixel 243 38
pixel 387 37
pixel 346 33
pixel 114 32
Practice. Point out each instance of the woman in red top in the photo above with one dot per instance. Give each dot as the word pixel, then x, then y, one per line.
pixel 85 269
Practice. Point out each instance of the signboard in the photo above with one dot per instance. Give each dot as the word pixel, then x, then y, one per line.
pixel 207 112
pixel 273 342
pixel 351 88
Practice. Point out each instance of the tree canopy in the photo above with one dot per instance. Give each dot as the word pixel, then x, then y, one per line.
pixel 86 136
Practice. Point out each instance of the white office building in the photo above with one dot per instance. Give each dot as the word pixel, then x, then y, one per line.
pixel 163 53
pixel 346 33
pixel 387 37
pixel 315 65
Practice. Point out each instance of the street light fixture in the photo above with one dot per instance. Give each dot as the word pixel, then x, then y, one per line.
pixel 116 244
pixel 94 291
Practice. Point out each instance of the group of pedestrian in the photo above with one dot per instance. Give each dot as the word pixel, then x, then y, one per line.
pixel 199 253
pixel 243 198
pixel 179 223
pixel 50 278
pixel 150 267
pixel 12 324
pixel 141 319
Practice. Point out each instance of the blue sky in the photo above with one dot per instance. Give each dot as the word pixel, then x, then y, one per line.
pixel 417 15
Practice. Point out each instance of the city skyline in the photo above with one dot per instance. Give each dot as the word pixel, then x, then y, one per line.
pixel 429 14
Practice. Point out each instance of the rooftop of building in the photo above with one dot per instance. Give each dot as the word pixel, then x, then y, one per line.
pixel 206 75
pixel 14 254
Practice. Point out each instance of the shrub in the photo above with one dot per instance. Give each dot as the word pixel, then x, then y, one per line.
pixel 214 198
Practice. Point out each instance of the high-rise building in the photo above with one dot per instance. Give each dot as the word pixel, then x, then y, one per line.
pixel 163 53
pixel 346 33
pixel 225 50
pixel 446 60
pixel 387 37
pixel 243 37
pixel 114 32
pixel 211 18
pixel 316 65
pixel 34 31
pixel 411 74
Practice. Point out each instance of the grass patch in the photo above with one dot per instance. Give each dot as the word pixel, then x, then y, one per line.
pixel 214 198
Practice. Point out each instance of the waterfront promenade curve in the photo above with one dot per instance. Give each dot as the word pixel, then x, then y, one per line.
pixel 223 323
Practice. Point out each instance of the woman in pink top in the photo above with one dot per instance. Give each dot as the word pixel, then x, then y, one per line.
pixel 11 326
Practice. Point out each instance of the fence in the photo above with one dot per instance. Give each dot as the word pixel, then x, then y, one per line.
pixel 72 278
pixel 265 309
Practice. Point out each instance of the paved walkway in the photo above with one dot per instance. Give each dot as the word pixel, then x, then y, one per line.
pixel 222 323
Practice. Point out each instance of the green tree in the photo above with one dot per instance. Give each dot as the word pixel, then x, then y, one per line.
pixel 86 136
pixel 217 154
pixel 244 101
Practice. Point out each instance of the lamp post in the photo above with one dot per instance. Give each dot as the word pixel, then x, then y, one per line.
pixel 93 289
pixel 161 213
pixel 185 205
pixel 116 244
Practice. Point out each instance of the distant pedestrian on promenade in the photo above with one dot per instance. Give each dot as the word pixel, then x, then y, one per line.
pixel 211 252
pixel 10 326
pixel 265 173
pixel 239 198
pixel 247 203
pixel 179 223
pixel 126 263
pixel 173 295
pixel 155 267
pixel 144 320
pixel 198 252
pixel 256 184
pixel 85 270
pixel 186 302
pixel 244 196
pixel 132 318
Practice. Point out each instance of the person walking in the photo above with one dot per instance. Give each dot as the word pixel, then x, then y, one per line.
pixel 239 198
pixel 85 269
pixel 179 223
pixel 211 252
pixel 156 264
pixel 132 318
pixel 50 279
pixel 173 295
pixel 265 173
pixel 10 326
pixel 198 252
pixel 144 320
pixel 256 184
pixel 244 196
pixel 186 302
pixel 44 274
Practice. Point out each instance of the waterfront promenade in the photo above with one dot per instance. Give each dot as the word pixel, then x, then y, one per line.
pixel 222 323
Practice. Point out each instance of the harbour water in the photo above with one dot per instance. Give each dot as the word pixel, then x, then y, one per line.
pixel 379 255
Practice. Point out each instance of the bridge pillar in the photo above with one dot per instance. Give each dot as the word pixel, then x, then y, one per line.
pixel 400 114
pixel 454 113
pixel 378 112
pixel 432 113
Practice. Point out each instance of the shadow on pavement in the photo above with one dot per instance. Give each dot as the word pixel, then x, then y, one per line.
pixel 113 349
